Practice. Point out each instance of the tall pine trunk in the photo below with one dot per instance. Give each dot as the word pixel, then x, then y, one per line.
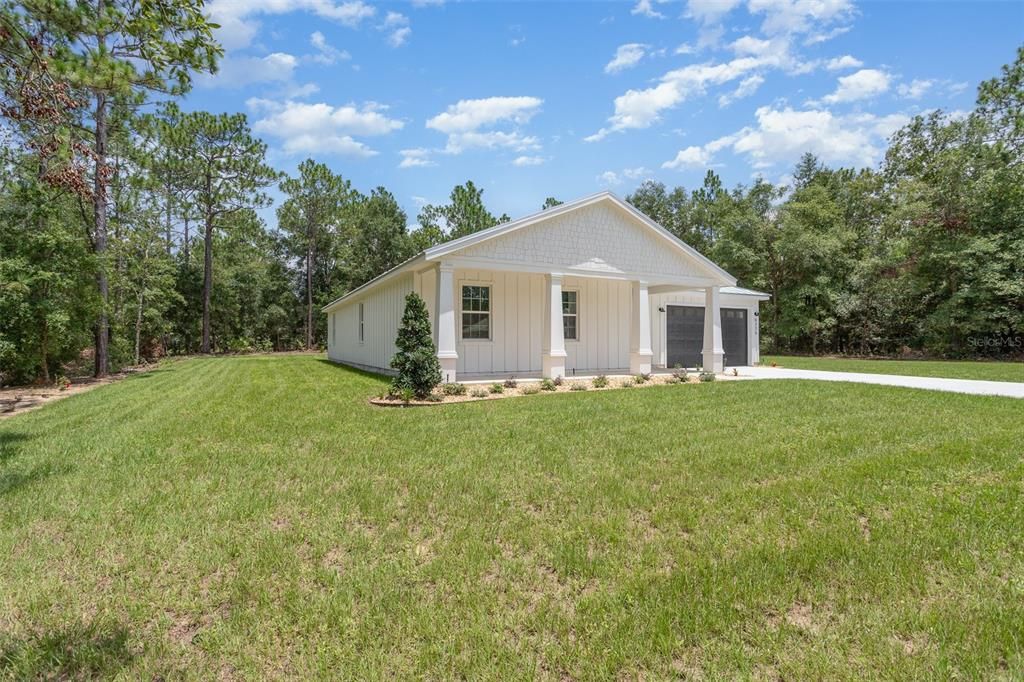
pixel 207 281
pixel 102 330
pixel 309 296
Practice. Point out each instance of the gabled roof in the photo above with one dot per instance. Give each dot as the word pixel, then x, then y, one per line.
pixel 448 248
pixel 438 252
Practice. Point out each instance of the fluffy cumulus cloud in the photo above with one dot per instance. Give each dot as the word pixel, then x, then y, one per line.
pixel 528 161
pixel 915 89
pixel 645 8
pixel 397 26
pixel 709 11
pixel 322 128
pixel 325 52
pixel 782 135
pixel 746 88
pixel 800 16
pixel 470 123
pixel 236 72
pixel 626 57
pixel 609 178
pixel 844 62
pixel 862 84
pixel 238 27
pixel 415 158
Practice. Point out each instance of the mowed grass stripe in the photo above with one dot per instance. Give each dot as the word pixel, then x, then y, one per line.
pixel 256 517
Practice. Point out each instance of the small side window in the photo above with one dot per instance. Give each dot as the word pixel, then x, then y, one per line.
pixel 362 324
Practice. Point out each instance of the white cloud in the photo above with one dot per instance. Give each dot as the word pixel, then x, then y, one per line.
pixel 749 45
pixel 470 114
pixel 824 36
pixel 415 158
pixel 799 16
pixel 844 62
pixel 684 48
pixel 636 173
pixel 320 127
pixel 747 87
pixel 238 28
pixel 782 135
pixel 708 11
pixel 689 158
pixel 646 8
pixel 627 56
pixel 427 3
pixel 398 37
pixel 236 72
pixel 326 53
pixel 528 161
pixel 859 85
pixel 642 108
pixel 609 178
pixel 293 91
pixel 915 89
pixel 397 25
pixel 490 139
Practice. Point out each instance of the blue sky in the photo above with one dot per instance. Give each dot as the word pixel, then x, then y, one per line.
pixel 536 99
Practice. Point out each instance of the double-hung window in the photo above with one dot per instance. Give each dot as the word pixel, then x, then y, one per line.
pixel 476 312
pixel 570 315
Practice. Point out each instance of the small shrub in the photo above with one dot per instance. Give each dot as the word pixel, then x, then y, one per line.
pixel 707 376
pixel 548 385
pixel 496 388
pixel 601 381
pixel 479 393
pixel 406 395
pixel 416 360
pixel 511 382
pixel 433 398
pixel 558 381
pixel 774 364
pixel 454 389
pixel 642 378
pixel 62 382
pixel 735 372
pixel 680 374
pixel 530 389
pixel 672 379
pixel 628 382
pixel 578 386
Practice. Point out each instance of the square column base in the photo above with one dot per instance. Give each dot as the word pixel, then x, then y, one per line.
pixel 640 363
pixel 553 365
pixel 448 369
pixel 713 361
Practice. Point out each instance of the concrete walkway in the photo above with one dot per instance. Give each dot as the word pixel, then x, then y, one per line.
pixel 972 386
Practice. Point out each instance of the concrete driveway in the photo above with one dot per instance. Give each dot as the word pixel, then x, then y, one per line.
pixel 972 386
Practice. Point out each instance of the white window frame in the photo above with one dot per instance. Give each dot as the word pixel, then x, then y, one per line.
pixel 334 328
pixel 576 291
pixel 362 323
pixel 490 313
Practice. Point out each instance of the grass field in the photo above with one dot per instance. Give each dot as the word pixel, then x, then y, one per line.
pixel 949 369
pixel 254 518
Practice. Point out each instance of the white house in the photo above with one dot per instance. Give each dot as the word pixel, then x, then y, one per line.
pixel 588 287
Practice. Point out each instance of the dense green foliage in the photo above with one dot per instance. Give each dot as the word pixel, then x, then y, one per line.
pixel 255 518
pixel 926 253
pixel 129 230
pixel 416 360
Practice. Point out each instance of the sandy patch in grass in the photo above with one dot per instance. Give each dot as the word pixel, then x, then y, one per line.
pixel 17 399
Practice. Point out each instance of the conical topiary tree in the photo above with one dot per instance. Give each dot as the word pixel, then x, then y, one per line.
pixel 416 359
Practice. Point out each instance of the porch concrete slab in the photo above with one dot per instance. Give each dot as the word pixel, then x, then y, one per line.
pixel 971 386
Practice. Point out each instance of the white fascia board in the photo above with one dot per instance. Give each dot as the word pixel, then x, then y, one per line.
pixel 399 269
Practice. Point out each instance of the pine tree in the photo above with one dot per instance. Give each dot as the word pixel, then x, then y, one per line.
pixel 416 359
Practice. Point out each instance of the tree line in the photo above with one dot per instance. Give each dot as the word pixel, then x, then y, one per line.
pixel 130 228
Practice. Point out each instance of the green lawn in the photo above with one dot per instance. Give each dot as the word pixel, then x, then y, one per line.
pixel 254 517
pixel 950 369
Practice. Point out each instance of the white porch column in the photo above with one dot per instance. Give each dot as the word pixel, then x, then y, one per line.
pixel 640 353
pixel 446 353
pixel 714 354
pixel 553 342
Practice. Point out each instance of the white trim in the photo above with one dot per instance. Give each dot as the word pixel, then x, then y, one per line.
pixel 577 315
pixel 362 323
pixel 679 282
pixel 489 285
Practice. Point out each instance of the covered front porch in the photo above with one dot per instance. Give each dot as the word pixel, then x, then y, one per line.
pixel 499 322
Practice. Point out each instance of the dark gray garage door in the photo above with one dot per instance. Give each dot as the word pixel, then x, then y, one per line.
pixel 685 335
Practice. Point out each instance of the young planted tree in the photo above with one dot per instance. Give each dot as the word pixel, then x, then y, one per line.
pixel 316 203
pixel 224 165
pixel 103 52
pixel 416 361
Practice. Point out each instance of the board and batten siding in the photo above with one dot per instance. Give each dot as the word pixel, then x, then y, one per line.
pixel 517 318
pixel 383 307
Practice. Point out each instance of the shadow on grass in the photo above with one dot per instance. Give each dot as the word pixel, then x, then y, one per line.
pixel 81 651
pixel 355 370
pixel 12 479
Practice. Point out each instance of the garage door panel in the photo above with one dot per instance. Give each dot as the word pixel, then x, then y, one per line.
pixel 685 335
